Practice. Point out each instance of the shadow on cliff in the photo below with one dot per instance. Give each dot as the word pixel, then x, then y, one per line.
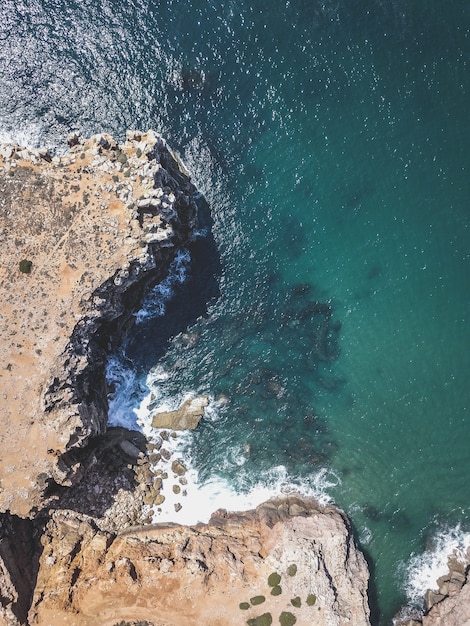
pixel 375 614
pixel 107 467
pixel 20 550
pixel 143 344
pixel 140 345
pixel 148 341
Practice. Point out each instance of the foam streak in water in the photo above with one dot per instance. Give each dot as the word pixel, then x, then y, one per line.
pixel 154 304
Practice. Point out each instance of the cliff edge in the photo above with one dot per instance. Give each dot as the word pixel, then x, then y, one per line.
pixel 80 238
pixel 289 561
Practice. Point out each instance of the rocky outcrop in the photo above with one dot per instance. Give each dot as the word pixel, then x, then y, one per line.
pixel 80 237
pixel 449 603
pixel 186 417
pixel 290 557
pixel 454 607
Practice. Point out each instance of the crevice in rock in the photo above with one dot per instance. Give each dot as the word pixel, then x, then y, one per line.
pixel 75 574
pixel 132 571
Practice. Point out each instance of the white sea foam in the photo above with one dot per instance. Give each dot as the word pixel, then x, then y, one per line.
pixel 154 303
pixel 126 389
pixel 199 499
pixel 23 134
pixel 423 570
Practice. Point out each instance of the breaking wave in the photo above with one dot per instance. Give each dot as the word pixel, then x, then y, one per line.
pixel 423 570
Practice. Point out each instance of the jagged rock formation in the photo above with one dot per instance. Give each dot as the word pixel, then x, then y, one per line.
pixel 80 238
pixel 453 609
pixel 216 574
pixel 449 603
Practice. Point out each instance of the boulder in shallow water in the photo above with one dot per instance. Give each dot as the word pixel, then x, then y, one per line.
pixel 186 417
pixel 178 468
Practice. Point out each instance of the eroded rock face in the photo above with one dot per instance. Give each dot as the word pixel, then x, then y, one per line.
pixel 176 575
pixel 80 237
pixel 448 604
pixel 452 610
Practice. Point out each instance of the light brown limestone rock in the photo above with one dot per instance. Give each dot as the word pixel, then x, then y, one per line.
pixel 80 236
pixel 177 575
pixel 186 417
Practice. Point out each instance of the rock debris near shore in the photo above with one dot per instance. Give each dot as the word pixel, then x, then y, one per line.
pixel 82 237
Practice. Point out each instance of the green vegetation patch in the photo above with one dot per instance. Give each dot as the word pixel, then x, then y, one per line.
pixel 25 266
pixel 262 620
pixel 292 570
pixel 276 591
pixel 244 606
pixel 287 619
pixel 296 602
pixel 257 600
pixel 311 599
pixel 274 579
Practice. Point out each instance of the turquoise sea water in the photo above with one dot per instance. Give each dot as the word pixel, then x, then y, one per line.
pixel 329 317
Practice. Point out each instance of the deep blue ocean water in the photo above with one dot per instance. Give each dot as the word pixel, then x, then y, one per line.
pixel 326 313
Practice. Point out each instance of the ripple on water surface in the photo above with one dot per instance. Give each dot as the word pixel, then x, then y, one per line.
pixel 331 143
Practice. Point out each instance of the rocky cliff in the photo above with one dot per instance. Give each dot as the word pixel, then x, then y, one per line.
pixel 449 603
pixel 80 238
pixel 289 561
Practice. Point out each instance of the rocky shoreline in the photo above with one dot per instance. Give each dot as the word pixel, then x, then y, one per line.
pixel 448 604
pixel 83 236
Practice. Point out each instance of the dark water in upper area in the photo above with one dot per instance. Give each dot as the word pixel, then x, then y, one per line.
pixel 329 318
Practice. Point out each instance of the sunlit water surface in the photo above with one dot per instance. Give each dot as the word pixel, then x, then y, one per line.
pixel 326 311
